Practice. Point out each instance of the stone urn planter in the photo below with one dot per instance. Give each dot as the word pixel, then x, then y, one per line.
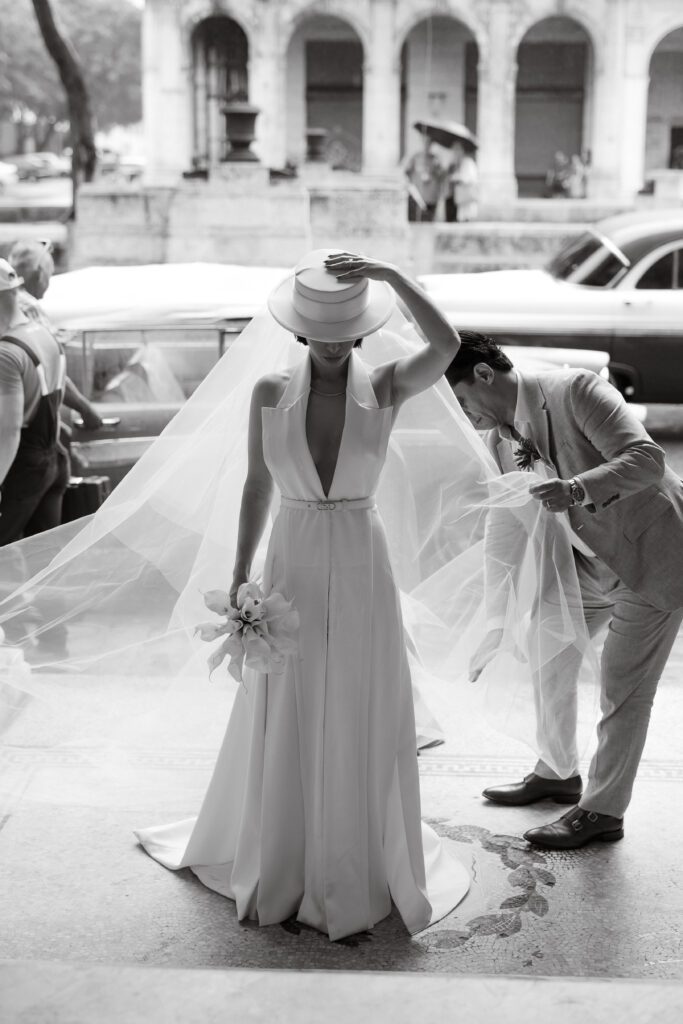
pixel 240 122
pixel 315 144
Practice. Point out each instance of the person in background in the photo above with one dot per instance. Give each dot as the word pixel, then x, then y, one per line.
pixel 424 175
pixel 462 185
pixel 32 261
pixel 34 470
pixel 576 178
pixel 557 177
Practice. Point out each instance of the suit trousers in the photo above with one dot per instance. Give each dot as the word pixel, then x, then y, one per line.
pixel 638 643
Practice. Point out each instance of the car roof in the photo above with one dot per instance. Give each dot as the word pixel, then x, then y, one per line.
pixel 638 233
pixel 163 294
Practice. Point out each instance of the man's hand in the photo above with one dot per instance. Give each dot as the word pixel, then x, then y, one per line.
pixel 91 419
pixel 485 653
pixel 554 494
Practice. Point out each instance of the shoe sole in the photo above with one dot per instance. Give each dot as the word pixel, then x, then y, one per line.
pixel 559 798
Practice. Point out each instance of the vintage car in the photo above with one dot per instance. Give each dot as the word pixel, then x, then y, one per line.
pixel 617 287
pixel 140 339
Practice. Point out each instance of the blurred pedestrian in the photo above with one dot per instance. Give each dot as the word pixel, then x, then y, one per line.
pixel 33 261
pixel 424 176
pixel 556 179
pixel 34 470
pixel 462 189
pixel 576 178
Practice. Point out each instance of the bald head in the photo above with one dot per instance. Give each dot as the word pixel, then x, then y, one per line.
pixel 33 261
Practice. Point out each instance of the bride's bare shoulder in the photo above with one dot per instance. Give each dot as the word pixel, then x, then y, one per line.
pixel 269 390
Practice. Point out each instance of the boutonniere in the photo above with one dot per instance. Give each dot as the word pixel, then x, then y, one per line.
pixel 526 454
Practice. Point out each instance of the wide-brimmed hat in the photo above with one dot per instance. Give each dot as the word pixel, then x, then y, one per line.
pixel 313 303
pixel 9 278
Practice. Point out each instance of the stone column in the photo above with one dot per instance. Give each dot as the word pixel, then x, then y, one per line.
pixel 632 112
pixel 606 138
pixel 496 108
pixel 267 89
pixel 381 94
pixel 166 94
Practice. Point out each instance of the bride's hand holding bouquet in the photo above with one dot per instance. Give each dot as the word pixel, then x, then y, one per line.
pixel 259 631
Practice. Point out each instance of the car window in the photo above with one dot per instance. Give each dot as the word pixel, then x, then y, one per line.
pixel 665 273
pixel 607 272
pixel 157 365
pixel 576 252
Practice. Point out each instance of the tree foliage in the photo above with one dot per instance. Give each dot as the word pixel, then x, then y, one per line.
pixel 106 37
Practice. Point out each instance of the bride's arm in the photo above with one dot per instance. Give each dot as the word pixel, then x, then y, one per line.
pixel 258 487
pixel 418 372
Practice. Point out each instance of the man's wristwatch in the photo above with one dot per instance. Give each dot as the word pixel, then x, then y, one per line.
pixel 577 493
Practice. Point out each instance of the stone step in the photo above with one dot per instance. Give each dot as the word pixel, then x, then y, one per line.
pixel 44 993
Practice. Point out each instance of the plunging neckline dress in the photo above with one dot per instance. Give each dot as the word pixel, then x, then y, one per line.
pixel 313 808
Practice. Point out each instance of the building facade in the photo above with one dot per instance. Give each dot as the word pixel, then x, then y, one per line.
pixel 599 78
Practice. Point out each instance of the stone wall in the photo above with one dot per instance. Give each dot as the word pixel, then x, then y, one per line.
pixel 238 218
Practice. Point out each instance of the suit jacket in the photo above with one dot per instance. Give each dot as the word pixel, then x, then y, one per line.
pixel 634 521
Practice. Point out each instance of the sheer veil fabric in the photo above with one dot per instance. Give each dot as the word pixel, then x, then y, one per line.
pixel 103 609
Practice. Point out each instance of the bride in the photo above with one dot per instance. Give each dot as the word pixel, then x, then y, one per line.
pixel 313 810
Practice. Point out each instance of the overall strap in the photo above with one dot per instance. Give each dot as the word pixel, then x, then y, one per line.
pixel 34 359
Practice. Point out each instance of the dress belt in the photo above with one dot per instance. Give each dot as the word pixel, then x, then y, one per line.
pixel 337 505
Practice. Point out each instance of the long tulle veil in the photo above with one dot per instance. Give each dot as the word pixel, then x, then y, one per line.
pixel 104 608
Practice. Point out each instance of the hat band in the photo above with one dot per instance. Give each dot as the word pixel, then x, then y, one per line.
pixel 330 312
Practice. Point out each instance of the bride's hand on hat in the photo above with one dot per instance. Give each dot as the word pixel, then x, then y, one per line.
pixel 348 266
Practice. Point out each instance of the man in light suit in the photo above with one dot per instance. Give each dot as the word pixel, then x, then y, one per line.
pixel 623 509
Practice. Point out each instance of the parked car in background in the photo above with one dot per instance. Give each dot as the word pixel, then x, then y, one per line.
pixel 29 167
pixel 59 166
pixel 8 175
pixel 32 166
pixel 618 287
pixel 140 339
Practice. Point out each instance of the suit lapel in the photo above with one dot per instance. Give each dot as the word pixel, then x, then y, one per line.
pixel 531 405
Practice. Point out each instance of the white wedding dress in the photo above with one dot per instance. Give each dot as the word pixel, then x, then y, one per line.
pixel 313 809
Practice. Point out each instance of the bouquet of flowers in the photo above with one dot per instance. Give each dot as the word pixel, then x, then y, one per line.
pixel 258 633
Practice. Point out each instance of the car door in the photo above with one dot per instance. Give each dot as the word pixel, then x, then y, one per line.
pixel 137 381
pixel 648 330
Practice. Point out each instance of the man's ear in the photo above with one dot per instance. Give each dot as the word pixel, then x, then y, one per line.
pixel 484 373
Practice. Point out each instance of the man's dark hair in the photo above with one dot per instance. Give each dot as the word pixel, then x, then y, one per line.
pixel 475 348
pixel 303 341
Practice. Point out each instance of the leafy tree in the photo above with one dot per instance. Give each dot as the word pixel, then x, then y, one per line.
pixel 105 35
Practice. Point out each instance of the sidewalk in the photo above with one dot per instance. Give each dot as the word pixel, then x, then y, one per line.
pixel 75 887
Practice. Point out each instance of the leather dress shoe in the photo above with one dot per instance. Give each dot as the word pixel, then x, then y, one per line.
pixel 534 787
pixel 576 828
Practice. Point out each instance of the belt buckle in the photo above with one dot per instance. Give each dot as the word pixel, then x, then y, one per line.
pixel 326 506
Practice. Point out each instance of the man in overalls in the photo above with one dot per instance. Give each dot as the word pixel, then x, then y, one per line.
pixel 33 464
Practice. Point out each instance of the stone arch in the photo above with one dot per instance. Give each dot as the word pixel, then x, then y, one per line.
pixel 219 49
pixel 325 60
pixel 457 11
pixel 665 27
pixel 197 11
pixel 343 10
pixel 567 12
pixel 664 117
pixel 555 57
pixel 438 61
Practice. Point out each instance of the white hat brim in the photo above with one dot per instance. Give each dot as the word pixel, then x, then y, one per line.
pixel 380 306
